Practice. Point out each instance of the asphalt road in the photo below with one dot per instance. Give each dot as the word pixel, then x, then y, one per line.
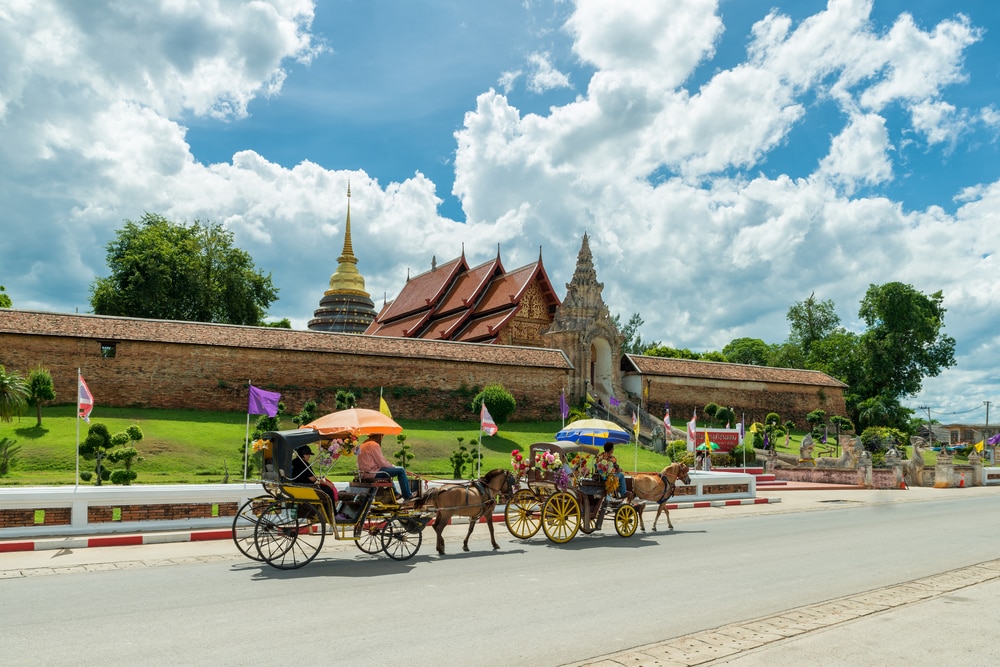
pixel 820 578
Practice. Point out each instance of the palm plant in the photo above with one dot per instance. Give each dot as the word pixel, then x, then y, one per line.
pixel 13 395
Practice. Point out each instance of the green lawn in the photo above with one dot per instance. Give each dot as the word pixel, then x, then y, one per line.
pixel 191 446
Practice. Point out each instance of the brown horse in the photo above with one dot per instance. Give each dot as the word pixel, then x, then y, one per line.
pixel 658 489
pixel 474 499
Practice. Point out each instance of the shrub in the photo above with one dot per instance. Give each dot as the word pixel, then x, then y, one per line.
pixel 738 452
pixel 676 448
pixel 880 438
pixel 499 402
pixel 8 455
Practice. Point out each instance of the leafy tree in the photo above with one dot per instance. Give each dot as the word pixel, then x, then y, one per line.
pixel 811 321
pixel 283 323
pixel 13 395
pixel 498 400
pixel 904 341
pixel 8 455
pixel 786 355
pixel 40 388
pixel 5 301
pixel 751 351
pixel 308 413
pixel 460 458
pixel 404 454
pixel 95 446
pixel 125 452
pixel 725 415
pixel 711 409
pixel 671 352
pixel 346 399
pixel 164 270
pixel 633 343
pixel 713 355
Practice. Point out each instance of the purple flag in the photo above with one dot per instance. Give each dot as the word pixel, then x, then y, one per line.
pixel 263 402
pixel 563 406
pixel 614 401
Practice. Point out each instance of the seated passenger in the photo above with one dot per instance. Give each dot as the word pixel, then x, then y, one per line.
pixel 609 456
pixel 371 461
pixel 302 474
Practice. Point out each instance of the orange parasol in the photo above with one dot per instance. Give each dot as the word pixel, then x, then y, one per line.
pixel 354 422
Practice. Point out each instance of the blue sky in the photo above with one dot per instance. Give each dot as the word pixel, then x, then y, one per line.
pixel 727 158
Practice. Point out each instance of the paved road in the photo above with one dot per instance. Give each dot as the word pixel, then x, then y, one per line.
pixel 874 621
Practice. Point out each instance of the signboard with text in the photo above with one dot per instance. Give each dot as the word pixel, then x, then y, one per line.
pixel 726 438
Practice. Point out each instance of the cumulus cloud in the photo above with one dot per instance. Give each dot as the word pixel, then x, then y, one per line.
pixel 666 160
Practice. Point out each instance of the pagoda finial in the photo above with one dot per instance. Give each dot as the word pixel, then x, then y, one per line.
pixel 347 277
pixel 498 251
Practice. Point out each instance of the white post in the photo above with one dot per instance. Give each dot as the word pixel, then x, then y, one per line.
pixel 77 457
pixel 246 441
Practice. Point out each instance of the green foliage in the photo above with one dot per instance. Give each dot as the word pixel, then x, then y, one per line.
pixel 725 416
pixel 346 399
pixel 95 447
pixel 904 341
pixel 811 321
pixel 308 413
pixel 164 270
pixel 499 402
pixel 8 455
pixel 283 323
pixel 746 449
pixel 751 351
pixel 711 409
pixel 713 355
pixel 772 419
pixel 676 448
pixel 86 475
pixel 632 343
pixel 404 454
pixel 13 395
pixel 671 352
pixel 881 438
pixel 5 301
pixel 40 389
pixel 124 452
pixel 460 458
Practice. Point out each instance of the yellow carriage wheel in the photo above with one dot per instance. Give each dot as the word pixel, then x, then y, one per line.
pixel 523 514
pixel 561 517
pixel 626 520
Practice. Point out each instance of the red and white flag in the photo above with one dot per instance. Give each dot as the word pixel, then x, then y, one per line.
pixel 486 423
pixel 85 400
pixel 692 433
pixel 666 421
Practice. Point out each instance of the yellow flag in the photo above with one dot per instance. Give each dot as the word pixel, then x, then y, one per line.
pixel 383 407
pixel 979 446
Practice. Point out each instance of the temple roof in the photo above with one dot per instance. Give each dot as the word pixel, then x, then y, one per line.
pixel 455 302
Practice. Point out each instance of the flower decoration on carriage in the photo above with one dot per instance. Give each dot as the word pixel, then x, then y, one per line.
pixel 333 449
pixel 546 461
pixel 611 484
pixel 579 465
pixel 605 467
pixel 519 463
pixel 260 445
pixel 561 478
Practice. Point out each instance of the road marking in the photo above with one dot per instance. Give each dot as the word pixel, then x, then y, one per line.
pixel 708 646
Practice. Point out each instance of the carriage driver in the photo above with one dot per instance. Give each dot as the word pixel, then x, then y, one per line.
pixel 609 456
pixel 371 461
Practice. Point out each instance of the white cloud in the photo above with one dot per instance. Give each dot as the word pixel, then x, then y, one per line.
pixel 690 224
pixel 543 75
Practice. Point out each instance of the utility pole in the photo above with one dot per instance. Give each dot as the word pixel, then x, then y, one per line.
pixel 930 433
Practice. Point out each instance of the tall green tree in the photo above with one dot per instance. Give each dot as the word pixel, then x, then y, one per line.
pixel 164 270
pixel 752 351
pixel 13 395
pixel 633 343
pixel 904 342
pixel 40 389
pixel 810 321
pixel 5 301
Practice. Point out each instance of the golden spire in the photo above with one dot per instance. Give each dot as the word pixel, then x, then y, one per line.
pixel 347 279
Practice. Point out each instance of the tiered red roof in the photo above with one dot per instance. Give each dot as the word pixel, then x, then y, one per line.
pixel 455 302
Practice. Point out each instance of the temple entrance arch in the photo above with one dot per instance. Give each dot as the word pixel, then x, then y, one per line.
pixel 601 368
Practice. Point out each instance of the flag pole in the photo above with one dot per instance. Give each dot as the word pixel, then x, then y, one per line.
pixel 246 442
pixel 77 457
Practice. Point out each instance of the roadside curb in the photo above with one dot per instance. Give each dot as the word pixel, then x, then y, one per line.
pixel 81 542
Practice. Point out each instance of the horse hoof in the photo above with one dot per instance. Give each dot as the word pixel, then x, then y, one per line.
pixel 465 548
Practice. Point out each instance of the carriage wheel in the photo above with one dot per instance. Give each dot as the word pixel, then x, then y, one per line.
pixel 369 534
pixel 523 514
pixel 626 520
pixel 398 543
pixel 289 534
pixel 245 523
pixel 561 517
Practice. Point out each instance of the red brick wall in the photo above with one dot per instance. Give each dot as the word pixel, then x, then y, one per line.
pixel 173 375
pixel 20 518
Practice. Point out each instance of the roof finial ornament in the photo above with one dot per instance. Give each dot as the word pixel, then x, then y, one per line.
pixel 434 262
pixel 498 250
pixel 539 252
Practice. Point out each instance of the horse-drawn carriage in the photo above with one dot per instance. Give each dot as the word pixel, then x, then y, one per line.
pixel 561 494
pixel 288 524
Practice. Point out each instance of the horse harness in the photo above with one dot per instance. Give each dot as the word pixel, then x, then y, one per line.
pixel 668 488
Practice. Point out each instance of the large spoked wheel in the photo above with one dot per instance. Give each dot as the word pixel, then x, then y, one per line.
pixel 398 542
pixel 626 520
pixel 289 534
pixel 561 517
pixel 523 514
pixel 369 534
pixel 245 525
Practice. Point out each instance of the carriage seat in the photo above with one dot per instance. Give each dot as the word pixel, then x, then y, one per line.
pixel 377 480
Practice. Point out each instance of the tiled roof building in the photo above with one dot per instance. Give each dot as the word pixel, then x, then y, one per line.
pixel 480 304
